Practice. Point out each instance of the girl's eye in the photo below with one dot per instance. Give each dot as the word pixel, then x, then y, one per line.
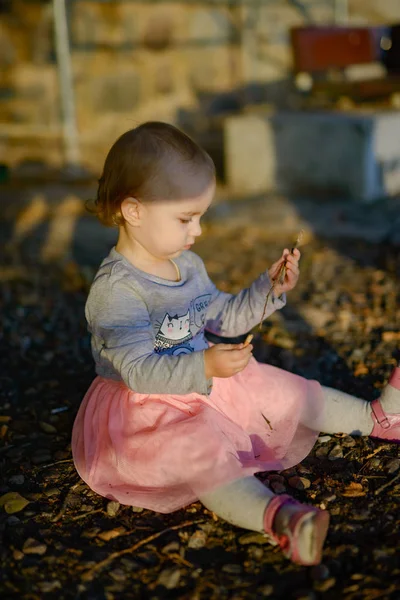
pixel 185 220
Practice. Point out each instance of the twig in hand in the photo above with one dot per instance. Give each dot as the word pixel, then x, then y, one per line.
pixel 279 278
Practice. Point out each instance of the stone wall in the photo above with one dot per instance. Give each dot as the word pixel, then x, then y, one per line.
pixel 134 61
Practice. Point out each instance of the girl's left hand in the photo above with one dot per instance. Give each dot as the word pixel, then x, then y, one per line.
pixel 292 271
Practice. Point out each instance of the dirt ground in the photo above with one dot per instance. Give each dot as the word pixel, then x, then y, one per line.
pixel 60 540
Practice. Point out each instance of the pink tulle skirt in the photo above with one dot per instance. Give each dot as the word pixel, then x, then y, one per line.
pixel 162 451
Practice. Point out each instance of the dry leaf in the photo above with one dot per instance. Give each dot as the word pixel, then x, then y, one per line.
pixel 13 502
pixel 353 490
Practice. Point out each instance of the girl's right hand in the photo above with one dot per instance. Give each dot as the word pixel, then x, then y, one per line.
pixel 225 360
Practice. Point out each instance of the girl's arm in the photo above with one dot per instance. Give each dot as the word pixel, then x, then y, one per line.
pixel 231 315
pixel 123 344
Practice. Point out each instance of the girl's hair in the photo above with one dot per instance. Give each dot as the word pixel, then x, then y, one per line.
pixel 146 163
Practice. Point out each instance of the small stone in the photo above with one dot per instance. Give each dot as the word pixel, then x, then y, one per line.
pixel 375 463
pixel 90 533
pixel 322 452
pixel 53 491
pixel 328 497
pixel 118 575
pixel 46 427
pixel 113 508
pixel 169 578
pixel 41 456
pixel 16 479
pixel 289 473
pixel 110 534
pixel 252 538
pixel 198 539
pixel 348 441
pixel 320 572
pixel 277 487
pixel 335 453
pixel 49 586
pixel 299 483
pixel 137 509
pixel 32 546
pixel 18 555
pixel 232 568
pixel 306 595
pixel 324 586
pixel 171 548
pixel 266 590
pixel 323 439
pixel 392 466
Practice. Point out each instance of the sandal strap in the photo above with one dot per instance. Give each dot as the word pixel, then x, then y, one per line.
pixel 273 507
pixel 380 414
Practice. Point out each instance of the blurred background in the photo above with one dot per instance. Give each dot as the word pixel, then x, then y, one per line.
pixel 289 97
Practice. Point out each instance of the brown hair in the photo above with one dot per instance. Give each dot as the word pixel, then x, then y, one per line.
pixel 147 163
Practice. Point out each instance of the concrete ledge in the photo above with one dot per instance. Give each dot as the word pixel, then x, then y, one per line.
pixel 354 155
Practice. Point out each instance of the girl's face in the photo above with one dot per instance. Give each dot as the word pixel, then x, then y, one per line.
pixel 169 227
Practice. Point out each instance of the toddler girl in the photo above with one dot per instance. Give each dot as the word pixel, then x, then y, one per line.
pixel 170 418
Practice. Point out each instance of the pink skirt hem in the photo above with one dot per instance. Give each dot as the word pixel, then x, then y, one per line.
pixel 163 451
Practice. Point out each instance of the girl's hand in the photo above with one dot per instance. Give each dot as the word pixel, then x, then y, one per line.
pixel 225 360
pixel 292 272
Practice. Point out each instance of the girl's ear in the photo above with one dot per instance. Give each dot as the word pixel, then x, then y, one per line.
pixel 131 210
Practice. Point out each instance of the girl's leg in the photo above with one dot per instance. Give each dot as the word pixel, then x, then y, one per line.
pixel 300 530
pixel 347 414
pixel 341 412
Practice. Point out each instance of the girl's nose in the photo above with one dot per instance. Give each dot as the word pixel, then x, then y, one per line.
pixel 196 229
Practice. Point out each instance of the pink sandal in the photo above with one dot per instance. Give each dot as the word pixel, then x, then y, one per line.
pixel 288 542
pixel 387 426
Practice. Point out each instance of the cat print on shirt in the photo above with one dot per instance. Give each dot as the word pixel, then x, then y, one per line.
pixel 173 335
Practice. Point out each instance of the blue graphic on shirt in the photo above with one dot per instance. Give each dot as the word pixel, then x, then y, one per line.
pixel 173 335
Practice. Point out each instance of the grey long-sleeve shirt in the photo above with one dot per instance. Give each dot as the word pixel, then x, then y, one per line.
pixel 149 332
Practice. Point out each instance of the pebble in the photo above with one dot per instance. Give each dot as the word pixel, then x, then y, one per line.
pixel 41 456
pixel 49 586
pixel 234 569
pixel 198 539
pixel 137 509
pixel 252 538
pixel 112 508
pixel 266 590
pixel 306 595
pixel 16 479
pixel 18 555
pixel 335 453
pixel 46 427
pixel 53 491
pixel 278 487
pixel 324 586
pixel 32 546
pixel 375 463
pixel 392 466
pixel 348 442
pixel 118 575
pixel 110 534
pixel 169 578
pixel 320 572
pixel 323 439
pixel 322 452
pixel 172 547
pixel 299 483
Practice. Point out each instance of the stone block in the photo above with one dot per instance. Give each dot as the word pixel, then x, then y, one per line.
pixel 355 155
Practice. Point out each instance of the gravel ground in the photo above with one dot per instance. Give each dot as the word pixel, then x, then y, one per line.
pixel 341 326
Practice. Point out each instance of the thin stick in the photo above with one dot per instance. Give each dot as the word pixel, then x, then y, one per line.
pixel 279 278
pixel 89 574
pixel 385 485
